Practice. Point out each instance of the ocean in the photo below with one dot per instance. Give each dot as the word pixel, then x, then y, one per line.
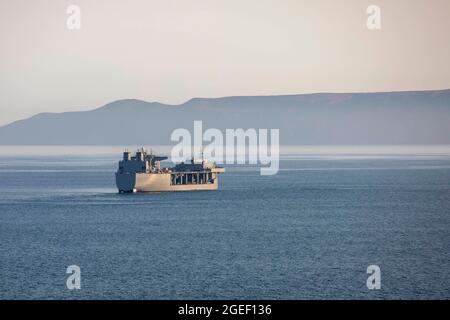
pixel 309 232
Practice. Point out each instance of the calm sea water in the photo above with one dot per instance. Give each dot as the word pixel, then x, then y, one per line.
pixel 311 231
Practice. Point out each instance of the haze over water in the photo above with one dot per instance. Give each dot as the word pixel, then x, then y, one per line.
pixel 308 232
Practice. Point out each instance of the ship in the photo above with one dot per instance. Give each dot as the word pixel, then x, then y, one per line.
pixel 143 173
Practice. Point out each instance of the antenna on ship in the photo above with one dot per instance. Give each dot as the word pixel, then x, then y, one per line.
pixel 203 160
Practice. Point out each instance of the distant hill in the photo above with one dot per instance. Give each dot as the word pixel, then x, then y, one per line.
pixel 416 117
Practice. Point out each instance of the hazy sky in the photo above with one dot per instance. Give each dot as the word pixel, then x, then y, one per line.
pixel 171 51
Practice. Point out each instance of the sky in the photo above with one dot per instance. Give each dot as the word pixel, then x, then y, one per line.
pixel 171 51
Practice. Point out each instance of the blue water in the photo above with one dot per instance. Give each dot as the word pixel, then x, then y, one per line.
pixel 308 232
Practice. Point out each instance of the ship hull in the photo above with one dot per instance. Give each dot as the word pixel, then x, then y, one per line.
pixel 156 182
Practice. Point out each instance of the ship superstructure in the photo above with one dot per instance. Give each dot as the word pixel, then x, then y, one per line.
pixel 143 173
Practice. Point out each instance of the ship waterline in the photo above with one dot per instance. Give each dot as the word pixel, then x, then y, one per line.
pixel 143 173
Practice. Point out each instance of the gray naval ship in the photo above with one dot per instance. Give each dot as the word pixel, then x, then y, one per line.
pixel 143 173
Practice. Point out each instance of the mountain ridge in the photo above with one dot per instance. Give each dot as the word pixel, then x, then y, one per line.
pixel 405 117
